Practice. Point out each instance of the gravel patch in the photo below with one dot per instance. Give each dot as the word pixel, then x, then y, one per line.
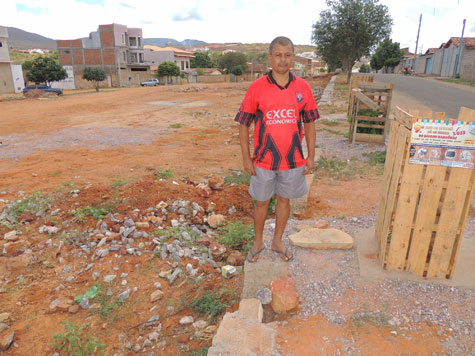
pixel 18 145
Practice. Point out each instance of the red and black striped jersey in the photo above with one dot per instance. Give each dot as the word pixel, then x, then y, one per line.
pixel 278 114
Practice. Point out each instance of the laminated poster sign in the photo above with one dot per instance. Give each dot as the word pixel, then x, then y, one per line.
pixel 447 143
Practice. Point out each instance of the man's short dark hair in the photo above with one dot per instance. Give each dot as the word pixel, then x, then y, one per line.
pixel 283 41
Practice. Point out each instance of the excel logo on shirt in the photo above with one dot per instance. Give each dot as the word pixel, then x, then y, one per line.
pixel 299 96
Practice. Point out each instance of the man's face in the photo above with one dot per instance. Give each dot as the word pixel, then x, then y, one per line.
pixel 281 59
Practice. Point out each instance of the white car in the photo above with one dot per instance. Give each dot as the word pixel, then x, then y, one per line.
pixel 150 83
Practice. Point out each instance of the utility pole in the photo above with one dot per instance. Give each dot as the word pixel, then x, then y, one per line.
pixel 417 41
pixel 460 50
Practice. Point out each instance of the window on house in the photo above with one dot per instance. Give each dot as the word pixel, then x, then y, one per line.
pixel 125 57
pixel 182 65
pixel 123 38
pixel 141 57
pixel 66 51
pixel 1 45
pixel 133 41
pixel 140 41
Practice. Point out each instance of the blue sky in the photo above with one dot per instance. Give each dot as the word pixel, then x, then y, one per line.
pixel 246 21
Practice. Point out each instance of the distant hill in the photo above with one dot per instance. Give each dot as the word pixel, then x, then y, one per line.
pixel 163 42
pixel 20 39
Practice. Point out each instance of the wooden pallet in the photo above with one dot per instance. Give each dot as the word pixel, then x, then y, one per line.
pixel 356 79
pixel 423 209
pixel 374 96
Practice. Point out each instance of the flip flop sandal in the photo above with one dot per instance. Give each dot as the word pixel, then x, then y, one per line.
pixel 285 254
pixel 253 255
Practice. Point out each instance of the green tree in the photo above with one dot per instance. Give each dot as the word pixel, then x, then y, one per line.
pixel 46 70
pixel 349 30
pixel 168 69
pixel 95 75
pixel 365 68
pixel 201 60
pixel 236 70
pixel 232 59
pixel 387 55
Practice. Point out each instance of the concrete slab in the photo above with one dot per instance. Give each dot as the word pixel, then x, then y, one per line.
pixel 367 250
pixel 251 309
pixel 259 274
pixel 238 336
pixel 322 239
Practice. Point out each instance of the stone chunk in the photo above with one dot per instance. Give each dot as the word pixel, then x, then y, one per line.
pixel 216 183
pixel 251 309
pixel 216 220
pixel 284 295
pixel 322 239
pixel 11 236
pixel 157 295
pixel 321 224
pixel 6 340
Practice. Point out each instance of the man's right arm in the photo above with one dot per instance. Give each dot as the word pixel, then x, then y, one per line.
pixel 246 154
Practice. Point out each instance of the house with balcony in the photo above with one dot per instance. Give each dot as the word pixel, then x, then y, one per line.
pixel 155 55
pixel 115 48
pixel 11 75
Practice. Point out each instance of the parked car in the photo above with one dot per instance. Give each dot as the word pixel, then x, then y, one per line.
pixel 44 88
pixel 150 83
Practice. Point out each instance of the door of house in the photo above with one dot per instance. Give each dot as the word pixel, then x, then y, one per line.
pixel 428 63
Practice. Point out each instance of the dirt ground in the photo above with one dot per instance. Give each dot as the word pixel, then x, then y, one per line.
pixel 116 142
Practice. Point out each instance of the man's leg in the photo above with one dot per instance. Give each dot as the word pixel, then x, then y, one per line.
pixel 282 212
pixel 260 214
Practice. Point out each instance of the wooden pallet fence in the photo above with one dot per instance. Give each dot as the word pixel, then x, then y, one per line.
pixel 374 97
pixel 356 79
pixel 423 209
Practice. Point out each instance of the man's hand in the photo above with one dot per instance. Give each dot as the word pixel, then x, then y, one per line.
pixel 309 168
pixel 246 156
pixel 249 167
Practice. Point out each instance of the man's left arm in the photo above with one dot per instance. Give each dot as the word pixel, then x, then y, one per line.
pixel 310 139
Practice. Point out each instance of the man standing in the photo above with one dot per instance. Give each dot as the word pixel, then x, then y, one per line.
pixel 278 104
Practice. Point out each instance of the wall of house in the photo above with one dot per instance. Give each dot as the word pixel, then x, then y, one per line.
pixel 120 30
pixel 448 61
pixel 467 65
pixel 437 59
pixel 17 78
pixel 6 80
pixel 420 64
pixel 154 58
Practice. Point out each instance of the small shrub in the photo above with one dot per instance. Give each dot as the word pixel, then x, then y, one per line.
pixel 201 352
pixel 107 304
pixel 97 212
pixel 329 122
pixel 208 304
pixel 161 174
pixel 322 70
pixel 236 235
pixel 457 76
pixel 36 203
pixel 379 318
pixel 120 183
pixel 238 178
pixel 75 341
pixel 376 157
pixel 176 126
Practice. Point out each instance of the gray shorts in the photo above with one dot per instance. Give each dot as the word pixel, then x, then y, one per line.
pixel 289 184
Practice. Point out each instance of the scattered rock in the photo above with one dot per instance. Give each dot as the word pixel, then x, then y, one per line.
pixel 321 224
pixel 235 259
pixel 216 183
pixel 12 248
pixel 203 190
pixel 264 295
pixel 216 220
pixel 142 225
pixel 124 295
pixel 199 324
pixel 27 217
pixel 186 320
pixel 48 229
pixel 11 236
pixel 6 340
pixel 4 317
pixel 3 327
pixel 156 295
pixel 109 278
pixel 153 320
pixel 284 295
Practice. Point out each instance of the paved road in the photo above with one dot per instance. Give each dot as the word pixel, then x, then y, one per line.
pixel 430 93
